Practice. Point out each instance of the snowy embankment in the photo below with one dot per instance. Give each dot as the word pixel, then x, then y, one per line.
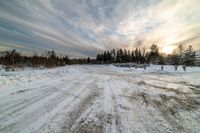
pixel 11 81
pixel 101 99
pixel 191 74
pixel 24 76
pixel 157 69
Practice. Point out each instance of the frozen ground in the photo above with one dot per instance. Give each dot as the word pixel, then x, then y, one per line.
pixel 92 98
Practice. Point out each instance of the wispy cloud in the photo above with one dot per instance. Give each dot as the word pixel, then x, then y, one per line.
pixel 85 27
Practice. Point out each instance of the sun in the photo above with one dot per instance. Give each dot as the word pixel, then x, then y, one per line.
pixel 167 49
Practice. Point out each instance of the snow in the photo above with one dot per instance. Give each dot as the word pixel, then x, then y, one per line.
pixel 100 98
pixel 157 69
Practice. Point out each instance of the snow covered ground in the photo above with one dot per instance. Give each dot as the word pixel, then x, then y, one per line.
pixel 98 98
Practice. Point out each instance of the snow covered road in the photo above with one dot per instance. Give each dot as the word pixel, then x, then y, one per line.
pixel 97 98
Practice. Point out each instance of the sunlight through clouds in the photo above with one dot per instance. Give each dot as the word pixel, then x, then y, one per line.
pixel 86 27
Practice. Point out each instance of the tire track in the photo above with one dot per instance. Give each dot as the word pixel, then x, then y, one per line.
pixel 31 95
pixel 71 120
pixel 29 118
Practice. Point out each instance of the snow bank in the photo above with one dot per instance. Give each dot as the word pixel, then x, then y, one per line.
pixel 157 69
pixel 1 68
pixel 26 76
pixel 171 69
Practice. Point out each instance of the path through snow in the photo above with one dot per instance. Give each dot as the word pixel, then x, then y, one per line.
pixel 99 99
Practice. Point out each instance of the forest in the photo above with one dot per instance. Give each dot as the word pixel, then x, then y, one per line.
pixel 180 56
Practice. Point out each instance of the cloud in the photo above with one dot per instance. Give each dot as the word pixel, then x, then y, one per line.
pixel 86 27
pixel 164 23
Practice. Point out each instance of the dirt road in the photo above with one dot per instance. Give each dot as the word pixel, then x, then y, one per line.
pixel 97 99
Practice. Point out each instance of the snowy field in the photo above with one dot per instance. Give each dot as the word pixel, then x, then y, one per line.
pixel 100 99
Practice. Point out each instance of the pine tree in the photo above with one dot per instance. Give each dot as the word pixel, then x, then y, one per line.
pixel 121 55
pixel 105 57
pixel 108 57
pixel 129 56
pixel 154 54
pixel 133 56
pixel 118 56
pixel 113 56
pixel 136 55
pixel 88 60
pixel 125 56
pixel 189 56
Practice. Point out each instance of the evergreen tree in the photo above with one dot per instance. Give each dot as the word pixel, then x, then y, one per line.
pixel 136 55
pixel 108 56
pixel 113 56
pixel 129 56
pixel 180 51
pixel 105 57
pixel 133 56
pixel 121 55
pixel 125 56
pixel 118 56
pixel 154 54
pixel 88 60
pixel 189 56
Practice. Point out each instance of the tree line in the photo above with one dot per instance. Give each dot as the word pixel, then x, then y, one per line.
pixel 14 59
pixel 48 59
pixel 180 56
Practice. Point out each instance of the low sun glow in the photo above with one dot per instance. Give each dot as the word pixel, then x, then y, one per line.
pixel 168 49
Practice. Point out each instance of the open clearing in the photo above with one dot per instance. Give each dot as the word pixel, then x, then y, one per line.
pixel 99 99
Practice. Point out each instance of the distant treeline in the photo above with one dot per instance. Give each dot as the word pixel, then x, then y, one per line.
pixel 180 56
pixel 15 59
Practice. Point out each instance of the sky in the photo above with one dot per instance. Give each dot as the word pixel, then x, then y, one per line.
pixel 82 28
